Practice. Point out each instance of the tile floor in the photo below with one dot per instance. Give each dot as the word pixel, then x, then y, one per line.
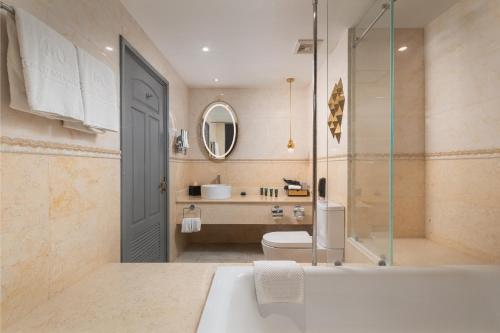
pixel 237 253
pixel 425 252
pixel 421 252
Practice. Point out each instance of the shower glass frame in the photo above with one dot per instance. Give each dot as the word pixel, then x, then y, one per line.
pixel 371 134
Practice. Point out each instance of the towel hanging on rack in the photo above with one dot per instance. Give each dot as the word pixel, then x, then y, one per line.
pixel 48 63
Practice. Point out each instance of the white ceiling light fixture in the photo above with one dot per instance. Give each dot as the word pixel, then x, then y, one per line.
pixel 216 80
pixel 205 49
pixel 109 48
pixel 403 48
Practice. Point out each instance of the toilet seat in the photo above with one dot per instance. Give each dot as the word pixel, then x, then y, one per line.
pixel 288 239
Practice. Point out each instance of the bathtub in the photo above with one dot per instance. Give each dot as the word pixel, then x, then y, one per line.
pixel 361 299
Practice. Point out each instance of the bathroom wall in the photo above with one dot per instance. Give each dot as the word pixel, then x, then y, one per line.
pixel 260 157
pixel 462 123
pixel 409 136
pixel 60 194
pixel 370 139
pixel 332 155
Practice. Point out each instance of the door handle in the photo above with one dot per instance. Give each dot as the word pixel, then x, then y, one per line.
pixel 163 185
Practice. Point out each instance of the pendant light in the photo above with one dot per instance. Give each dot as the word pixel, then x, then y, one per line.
pixel 291 144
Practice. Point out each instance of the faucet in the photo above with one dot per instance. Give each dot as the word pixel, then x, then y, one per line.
pixel 217 179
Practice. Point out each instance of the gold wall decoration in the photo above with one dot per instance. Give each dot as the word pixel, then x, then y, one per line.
pixel 336 106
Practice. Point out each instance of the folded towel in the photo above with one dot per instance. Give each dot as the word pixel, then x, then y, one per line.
pixel 191 224
pixel 18 98
pixel 279 282
pixel 80 126
pixel 295 187
pixel 49 67
pixel 98 88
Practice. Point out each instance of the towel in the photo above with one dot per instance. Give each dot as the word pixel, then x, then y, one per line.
pixel 98 89
pixel 191 224
pixel 50 70
pixel 278 282
pixel 18 98
pixel 80 126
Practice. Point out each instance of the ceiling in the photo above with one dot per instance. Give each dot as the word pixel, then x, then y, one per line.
pixel 252 42
pixel 418 13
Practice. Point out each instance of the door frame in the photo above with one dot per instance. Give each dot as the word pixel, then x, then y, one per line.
pixel 125 46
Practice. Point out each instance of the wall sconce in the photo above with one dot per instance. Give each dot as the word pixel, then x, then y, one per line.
pixel 181 142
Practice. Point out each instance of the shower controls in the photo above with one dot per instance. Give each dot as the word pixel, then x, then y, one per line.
pixel 277 212
pixel 298 212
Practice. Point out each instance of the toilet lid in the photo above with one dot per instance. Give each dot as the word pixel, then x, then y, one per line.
pixel 288 239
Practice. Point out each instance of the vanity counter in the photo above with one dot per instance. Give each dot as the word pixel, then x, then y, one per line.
pixel 249 210
pixel 127 298
pixel 258 199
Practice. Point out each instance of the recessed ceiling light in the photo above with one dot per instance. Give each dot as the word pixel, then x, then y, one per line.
pixel 403 48
pixel 216 80
pixel 205 49
pixel 109 48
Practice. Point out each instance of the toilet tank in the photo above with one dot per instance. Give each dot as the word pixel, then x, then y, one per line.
pixel 330 219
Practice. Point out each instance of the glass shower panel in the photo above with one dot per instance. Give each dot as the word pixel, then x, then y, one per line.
pixel 370 133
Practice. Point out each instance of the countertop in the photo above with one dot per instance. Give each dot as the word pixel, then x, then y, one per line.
pixel 127 298
pixel 247 199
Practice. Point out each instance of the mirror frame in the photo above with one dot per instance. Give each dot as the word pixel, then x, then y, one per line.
pixel 234 118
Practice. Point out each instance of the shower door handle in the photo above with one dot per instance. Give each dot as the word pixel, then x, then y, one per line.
pixel 163 185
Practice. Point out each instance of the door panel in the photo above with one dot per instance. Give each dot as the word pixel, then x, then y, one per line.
pixel 144 206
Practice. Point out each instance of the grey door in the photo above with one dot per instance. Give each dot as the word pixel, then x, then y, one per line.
pixel 144 170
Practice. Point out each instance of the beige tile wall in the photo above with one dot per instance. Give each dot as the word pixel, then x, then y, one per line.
pixel 332 162
pixel 263 121
pixel 409 134
pixel 249 173
pixel 260 157
pixel 462 61
pixel 60 221
pixel 60 212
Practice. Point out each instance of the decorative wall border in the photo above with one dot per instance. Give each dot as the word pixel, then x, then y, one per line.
pixel 233 160
pixel 29 146
pixel 465 154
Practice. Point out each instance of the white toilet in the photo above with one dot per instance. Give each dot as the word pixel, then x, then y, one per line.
pixel 297 245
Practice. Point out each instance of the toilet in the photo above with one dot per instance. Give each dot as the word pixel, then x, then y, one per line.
pixel 297 245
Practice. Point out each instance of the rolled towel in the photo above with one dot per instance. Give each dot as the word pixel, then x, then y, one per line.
pixel 278 282
pixel 186 225
pixel 191 224
pixel 295 187
pixel 195 224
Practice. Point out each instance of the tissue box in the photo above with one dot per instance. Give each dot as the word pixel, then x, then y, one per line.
pixel 194 190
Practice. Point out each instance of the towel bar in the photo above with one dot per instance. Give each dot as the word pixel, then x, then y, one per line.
pixel 190 208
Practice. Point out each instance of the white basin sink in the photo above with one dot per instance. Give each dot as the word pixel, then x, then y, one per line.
pixel 216 191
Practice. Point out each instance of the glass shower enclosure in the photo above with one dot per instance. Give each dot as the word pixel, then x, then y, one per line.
pixel 371 134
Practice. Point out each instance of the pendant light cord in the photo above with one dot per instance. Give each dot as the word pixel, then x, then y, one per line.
pixel 290 136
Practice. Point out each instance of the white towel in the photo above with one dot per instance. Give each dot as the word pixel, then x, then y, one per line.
pixel 18 98
pixel 191 224
pixel 80 126
pixel 98 87
pixel 279 282
pixel 50 70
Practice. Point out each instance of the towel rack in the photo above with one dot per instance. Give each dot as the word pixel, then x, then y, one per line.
pixel 8 8
pixel 190 208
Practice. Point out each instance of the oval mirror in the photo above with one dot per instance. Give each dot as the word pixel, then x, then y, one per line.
pixel 219 130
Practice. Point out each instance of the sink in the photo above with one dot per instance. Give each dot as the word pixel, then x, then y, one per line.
pixel 216 191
